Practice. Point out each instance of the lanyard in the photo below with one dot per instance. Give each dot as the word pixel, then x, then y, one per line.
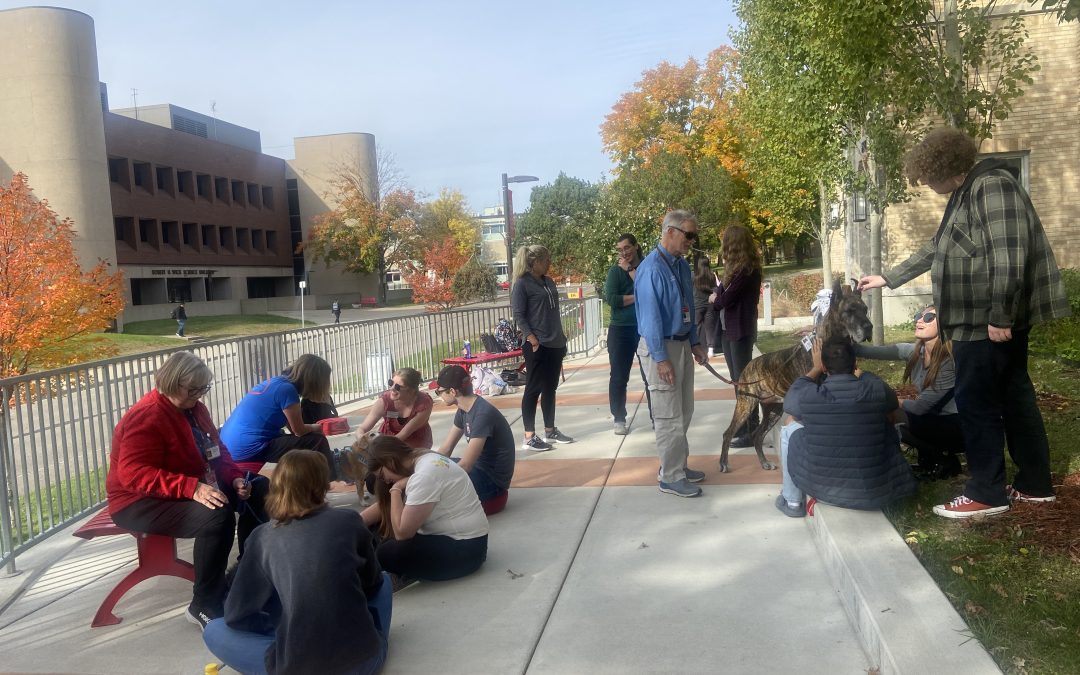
pixel 678 278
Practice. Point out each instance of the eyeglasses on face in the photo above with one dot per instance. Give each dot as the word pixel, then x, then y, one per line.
pixel 925 316
pixel 198 391
pixel 691 236
pixel 440 391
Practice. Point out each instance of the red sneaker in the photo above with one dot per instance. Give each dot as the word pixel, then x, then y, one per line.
pixel 1015 495
pixel 962 507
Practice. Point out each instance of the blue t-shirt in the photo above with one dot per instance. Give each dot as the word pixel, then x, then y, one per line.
pixel 258 418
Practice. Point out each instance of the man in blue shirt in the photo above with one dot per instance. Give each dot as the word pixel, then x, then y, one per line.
pixel 669 346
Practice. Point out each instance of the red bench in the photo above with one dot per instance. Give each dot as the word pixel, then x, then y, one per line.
pixel 157 557
pixel 483 357
pixel 369 302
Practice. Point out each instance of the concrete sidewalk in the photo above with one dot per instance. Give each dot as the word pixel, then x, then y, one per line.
pixel 590 569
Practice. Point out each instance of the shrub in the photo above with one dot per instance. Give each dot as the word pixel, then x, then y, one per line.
pixel 1062 337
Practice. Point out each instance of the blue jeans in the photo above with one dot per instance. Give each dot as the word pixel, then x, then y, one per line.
pixel 792 494
pixel 245 651
pixel 180 327
pixel 485 487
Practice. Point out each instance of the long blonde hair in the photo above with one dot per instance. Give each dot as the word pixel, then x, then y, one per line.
pixel 527 256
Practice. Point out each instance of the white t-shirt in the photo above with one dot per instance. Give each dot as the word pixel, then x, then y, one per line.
pixel 457 512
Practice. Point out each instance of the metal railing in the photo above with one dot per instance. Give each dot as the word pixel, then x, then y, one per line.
pixel 56 427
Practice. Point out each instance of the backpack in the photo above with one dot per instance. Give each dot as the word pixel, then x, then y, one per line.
pixel 491 345
pixel 335 308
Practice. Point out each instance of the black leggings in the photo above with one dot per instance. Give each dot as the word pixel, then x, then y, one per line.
pixel 276 449
pixel 432 557
pixel 544 367
pixel 936 437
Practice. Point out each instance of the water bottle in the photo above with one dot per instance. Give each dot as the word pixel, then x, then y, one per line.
pixel 467 350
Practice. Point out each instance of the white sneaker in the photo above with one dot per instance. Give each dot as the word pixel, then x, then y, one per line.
pixel 711 352
pixel 620 428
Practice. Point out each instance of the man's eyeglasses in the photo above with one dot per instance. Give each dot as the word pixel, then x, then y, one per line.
pixel 925 316
pixel 692 236
pixel 395 386
pixel 440 391
pixel 198 391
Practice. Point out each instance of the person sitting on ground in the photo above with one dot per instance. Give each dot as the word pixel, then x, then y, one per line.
pixel 170 474
pixel 403 409
pixel 427 514
pixel 309 595
pixel 490 454
pixel 254 429
pixel 931 425
pixel 839 443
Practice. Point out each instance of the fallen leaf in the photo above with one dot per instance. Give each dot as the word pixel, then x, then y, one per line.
pixel 513 574
pixel 957 569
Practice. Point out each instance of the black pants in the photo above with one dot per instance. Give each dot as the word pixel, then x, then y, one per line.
pixel 432 557
pixel 738 353
pixel 622 342
pixel 212 529
pixel 707 323
pixel 996 403
pixel 276 449
pixel 935 437
pixel 544 366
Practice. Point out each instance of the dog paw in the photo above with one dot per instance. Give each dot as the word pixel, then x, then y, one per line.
pixel 724 467
pixel 768 466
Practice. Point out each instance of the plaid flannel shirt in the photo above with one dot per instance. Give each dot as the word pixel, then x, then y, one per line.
pixel 990 262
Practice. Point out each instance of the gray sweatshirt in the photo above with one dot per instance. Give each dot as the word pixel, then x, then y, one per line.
pixel 928 398
pixel 535 303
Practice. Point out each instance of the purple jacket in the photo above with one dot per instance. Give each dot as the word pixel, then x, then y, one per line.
pixel 739 301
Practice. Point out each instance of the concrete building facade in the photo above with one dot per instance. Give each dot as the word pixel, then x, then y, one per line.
pixel 185 205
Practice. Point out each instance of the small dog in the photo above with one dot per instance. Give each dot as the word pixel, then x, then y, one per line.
pixel 352 468
pixel 766 379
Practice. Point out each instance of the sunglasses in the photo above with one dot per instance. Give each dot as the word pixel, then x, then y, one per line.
pixel 926 317
pixel 691 236
pixel 395 386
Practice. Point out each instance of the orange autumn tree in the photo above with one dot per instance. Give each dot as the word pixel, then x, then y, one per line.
pixel 433 281
pixel 45 297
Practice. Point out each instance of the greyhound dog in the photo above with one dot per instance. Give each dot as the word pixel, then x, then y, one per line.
pixel 766 379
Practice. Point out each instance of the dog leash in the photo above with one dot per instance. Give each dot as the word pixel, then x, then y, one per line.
pixel 723 379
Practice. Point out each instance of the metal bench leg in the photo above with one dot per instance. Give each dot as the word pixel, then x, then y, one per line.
pixel 157 557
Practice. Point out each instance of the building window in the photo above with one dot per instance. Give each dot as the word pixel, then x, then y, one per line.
pixel 191 234
pixel 238 192
pixel 243 239
pixel 221 189
pixel 170 234
pixel 1017 161
pixel 118 172
pixel 268 197
pixel 492 231
pixel 178 290
pixel 258 241
pixel 225 238
pixel 209 241
pixel 148 232
pixel 125 230
pixel 142 175
pixel 185 183
pixel 165 179
pixel 253 197
pixel 271 241
pixel 202 185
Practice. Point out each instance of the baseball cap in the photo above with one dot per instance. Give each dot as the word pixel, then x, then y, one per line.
pixel 450 377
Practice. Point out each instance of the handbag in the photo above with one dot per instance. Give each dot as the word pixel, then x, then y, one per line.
pixel 333 426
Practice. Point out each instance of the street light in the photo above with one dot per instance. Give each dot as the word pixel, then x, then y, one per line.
pixel 508 217
pixel 303 285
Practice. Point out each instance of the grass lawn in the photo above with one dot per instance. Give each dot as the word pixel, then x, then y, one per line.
pixel 231 325
pixel 1015 578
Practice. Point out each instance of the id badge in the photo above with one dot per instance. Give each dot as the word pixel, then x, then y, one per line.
pixel 213 452
pixel 686 316
pixel 807 342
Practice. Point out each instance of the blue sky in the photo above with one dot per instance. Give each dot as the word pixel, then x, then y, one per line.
pixel 459 92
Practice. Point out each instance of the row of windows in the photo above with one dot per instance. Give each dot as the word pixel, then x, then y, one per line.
pixel 150 234
pixel 155 179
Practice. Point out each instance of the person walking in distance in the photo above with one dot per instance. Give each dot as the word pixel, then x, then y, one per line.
pixel 669 346
pixel 335 309
pixel 994 276
pixel 535 303
pixel 180 317
pixel 622 335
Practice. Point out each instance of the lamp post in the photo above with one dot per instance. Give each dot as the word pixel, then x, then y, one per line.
pixel 303 285
pixel 508 217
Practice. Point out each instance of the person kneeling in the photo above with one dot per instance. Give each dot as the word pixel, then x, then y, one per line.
pixel 841 445
pixel 429 518
pixel 490 455
pixel 308 596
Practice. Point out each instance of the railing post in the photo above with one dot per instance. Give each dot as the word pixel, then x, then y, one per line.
pixel 5 506
pixel 766 294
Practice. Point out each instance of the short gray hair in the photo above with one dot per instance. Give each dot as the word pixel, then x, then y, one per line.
pixel 182 370
pixel 676 218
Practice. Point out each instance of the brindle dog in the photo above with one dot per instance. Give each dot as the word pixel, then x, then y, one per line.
pixel 766 379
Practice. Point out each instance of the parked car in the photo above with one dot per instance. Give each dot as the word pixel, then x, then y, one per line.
pixel 504 285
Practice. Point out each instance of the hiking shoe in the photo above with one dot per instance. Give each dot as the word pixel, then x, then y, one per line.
pixel 198 617
pixel 680 488
pixel 620 428
pixel 556 436
pixel 1017 496
pixel 693 476
pixel 535 444
pixel 962 507
pixel 797 511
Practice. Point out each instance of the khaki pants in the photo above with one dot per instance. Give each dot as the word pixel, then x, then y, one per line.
pixel 672 406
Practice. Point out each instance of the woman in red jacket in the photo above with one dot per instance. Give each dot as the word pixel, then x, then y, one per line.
pixel 170 474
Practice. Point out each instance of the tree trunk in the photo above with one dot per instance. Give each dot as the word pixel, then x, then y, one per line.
pixel 877 313
pixel 823 236
pixel 954 53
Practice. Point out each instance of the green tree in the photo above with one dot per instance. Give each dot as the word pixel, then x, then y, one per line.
pixel 447 216
pixel 474 281
pixel 558 215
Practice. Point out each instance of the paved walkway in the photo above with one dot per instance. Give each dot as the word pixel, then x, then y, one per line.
pixel 591 569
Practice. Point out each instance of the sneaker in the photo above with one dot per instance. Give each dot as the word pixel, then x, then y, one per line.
pixel 694 476
pixel 962 507
pixel 620 428
pixel 711 354
pixel 1017 496
pixel 797 511
pixel 680 488
pixel 198 617
pixel 556 436
pixel 535 444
